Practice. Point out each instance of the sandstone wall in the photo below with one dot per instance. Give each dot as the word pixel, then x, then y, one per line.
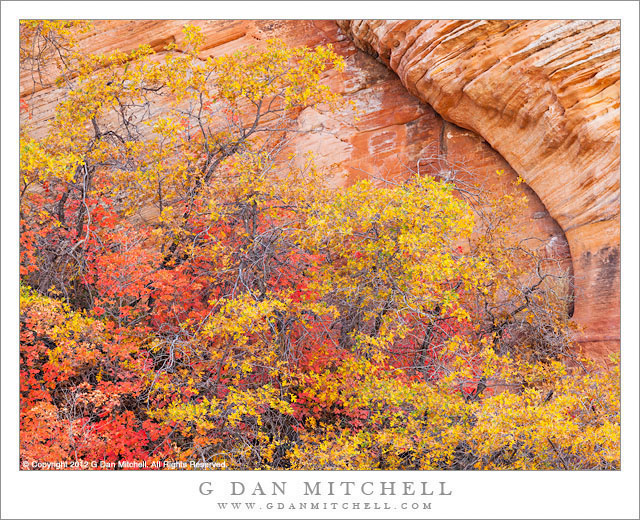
pixel 546 95
pixel 397 131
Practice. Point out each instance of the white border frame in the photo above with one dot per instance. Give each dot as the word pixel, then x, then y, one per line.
pixel 175 494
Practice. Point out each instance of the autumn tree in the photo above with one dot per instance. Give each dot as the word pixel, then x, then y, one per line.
pixel 191 289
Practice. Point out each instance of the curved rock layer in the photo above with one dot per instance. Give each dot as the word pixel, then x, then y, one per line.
pixel 546 95
pixel 395 131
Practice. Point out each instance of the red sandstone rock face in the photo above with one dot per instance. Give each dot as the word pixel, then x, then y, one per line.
pixel 396 132
pixel 546 95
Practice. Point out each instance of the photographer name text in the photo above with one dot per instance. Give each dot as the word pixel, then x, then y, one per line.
pixel 328 488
